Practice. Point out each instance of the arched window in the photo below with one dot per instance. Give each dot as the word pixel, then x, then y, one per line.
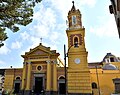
pixel 112 59
pixel 94 85
pixel 75 42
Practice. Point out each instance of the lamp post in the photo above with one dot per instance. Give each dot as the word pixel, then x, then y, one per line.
pixel 65 70
pixel 76 44
pixel 97 80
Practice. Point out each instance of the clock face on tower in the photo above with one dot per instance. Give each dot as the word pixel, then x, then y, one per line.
pixel 77 60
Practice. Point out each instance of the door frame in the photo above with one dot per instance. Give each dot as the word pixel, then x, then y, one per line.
pixel 60 81
pixel 17 81
pixel 39 75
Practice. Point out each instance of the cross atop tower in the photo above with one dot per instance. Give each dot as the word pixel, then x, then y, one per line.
pixel 41 40
pixel 73 3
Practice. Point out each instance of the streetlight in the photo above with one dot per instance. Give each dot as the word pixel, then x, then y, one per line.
pixel 66 55
pixel 97 80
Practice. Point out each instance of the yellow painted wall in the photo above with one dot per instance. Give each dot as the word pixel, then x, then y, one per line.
pixel 105 80
pixel 78 77
pixel 10 75
pixel 116 64
pixel 8 83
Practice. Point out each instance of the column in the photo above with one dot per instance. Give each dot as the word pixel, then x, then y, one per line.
pixel 23 76
pixel 55 76
pixel 28 76
pixel 48 88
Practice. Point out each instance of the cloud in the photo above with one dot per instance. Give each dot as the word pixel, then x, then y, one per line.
pixel 2 62
pixel 41 31
pixel 65 5
pixel 4 50
pixel 54 36
pixel 45 22
pixel 24 35
pixel 106 28
pixel 90 3
pixel 45 16
pixel 16 45
pixel 106 25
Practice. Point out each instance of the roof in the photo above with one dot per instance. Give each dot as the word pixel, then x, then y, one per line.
pixel 94 65
pixel 110 55
pixel 40 50
pixel 109 66
pixel 73 9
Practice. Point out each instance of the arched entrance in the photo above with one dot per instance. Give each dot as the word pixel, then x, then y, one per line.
pixel 61 86
pixel 17 85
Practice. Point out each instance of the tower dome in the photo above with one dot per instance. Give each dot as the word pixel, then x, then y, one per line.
pixel 109 66
pixel 110 58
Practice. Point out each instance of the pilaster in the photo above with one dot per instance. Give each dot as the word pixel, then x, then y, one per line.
pixel 28 76
pixel 24 75
pixel 55 76
pixel 48 88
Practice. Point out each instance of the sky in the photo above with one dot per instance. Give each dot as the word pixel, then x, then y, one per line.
pixel 49 23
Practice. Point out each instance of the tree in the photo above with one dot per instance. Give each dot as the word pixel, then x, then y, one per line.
pixel 14 13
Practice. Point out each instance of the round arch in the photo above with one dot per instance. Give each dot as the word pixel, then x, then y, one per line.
pixel 61 77
pixel 76 40
pixel 94 85
pixel 18 78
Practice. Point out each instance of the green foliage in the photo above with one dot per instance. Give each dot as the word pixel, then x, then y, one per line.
pixel 14 13
pixel 3 36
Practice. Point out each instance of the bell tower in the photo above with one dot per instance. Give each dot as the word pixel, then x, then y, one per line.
pixel 78 78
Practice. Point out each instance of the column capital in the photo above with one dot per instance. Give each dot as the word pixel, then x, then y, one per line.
pixel 29 62
pixel 48 61
pixel 25 62
pixel 55 61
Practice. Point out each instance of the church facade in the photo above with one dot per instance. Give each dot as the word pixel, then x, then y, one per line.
pixel 44 73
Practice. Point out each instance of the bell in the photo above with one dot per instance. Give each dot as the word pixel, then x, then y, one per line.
pixel 76 44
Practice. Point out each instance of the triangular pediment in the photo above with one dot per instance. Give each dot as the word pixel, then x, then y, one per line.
pixel 40 51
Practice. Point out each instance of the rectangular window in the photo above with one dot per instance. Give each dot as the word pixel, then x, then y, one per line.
pixel 117 87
